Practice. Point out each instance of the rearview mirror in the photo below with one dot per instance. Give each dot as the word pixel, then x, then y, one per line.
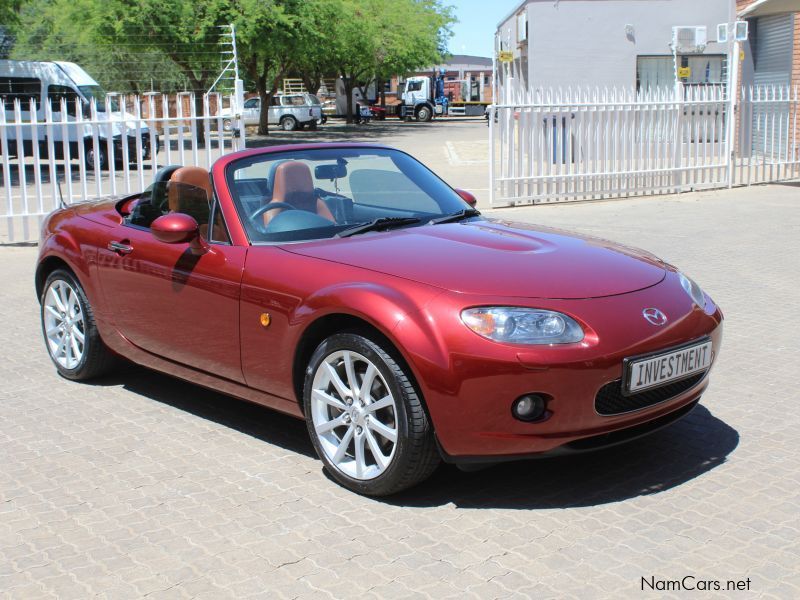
pixel 331 172
pixel 178 228
pixel 467 197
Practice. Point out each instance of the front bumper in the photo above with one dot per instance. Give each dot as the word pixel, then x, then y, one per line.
pixel 469 392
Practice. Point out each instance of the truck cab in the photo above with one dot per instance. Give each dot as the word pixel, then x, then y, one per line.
pixel 423 98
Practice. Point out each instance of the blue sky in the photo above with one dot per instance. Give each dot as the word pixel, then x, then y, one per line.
pixel 474 33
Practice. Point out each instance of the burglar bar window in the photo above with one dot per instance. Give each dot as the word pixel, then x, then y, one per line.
pixel 20 88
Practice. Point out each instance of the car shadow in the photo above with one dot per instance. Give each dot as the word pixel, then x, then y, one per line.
pixel 655 463
pixel 246 417
pixel 649 465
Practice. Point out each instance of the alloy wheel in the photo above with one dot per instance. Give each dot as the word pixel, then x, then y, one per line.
pixel 64 324
pixel 354 415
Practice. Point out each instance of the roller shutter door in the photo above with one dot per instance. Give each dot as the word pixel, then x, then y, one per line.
pixel 772 57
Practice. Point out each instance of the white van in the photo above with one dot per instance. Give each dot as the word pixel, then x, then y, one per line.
pixel 51 81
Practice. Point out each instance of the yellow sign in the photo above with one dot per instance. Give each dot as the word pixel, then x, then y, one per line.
pixel 684 72
pixel 741 54
pixel 505 56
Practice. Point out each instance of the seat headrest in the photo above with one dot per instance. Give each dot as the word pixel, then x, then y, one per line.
pixel 293 184
pixel 188 178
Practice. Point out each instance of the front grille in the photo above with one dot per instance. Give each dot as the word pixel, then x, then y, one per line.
pixel 610 401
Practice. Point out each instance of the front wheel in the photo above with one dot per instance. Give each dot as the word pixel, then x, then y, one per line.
pixel 69 329
pixel 89 154
pixel 424 114
pixel 365 418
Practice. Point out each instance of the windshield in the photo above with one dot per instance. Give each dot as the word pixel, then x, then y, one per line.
pixel 99 94
pixel 316 194
pixel 312 99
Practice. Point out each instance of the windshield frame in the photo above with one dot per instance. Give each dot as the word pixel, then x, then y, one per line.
pixel 99 95
pixel 302 152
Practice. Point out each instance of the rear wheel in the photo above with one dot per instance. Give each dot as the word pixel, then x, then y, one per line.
pixel 70 333
pixel 365 418
pixel 288 123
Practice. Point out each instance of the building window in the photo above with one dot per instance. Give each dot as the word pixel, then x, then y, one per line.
pixel 658 72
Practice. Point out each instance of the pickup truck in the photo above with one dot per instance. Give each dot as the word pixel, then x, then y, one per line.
pixel 288 111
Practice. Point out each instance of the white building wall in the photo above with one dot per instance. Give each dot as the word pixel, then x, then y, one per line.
pixel 584 42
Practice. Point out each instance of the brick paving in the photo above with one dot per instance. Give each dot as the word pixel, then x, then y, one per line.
pixel 139 485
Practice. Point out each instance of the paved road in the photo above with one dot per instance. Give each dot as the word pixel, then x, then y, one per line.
pixel 140 485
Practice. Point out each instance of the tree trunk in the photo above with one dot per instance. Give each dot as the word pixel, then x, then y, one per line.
pixel 312 82
pixel 348 90
pixel 266 99
pixel 198 111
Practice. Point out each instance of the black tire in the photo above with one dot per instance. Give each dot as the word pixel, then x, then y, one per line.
pixel 415 456
pixel 288 123
pixel 424 114
pixel 96 359
pixel 89 155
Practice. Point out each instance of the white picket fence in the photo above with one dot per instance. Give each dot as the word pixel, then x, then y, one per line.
pixel 57 155
pixel 580 144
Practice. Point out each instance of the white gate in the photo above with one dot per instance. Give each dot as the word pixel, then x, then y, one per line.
pixel 768 138
pixel 58 154
pixel 578 144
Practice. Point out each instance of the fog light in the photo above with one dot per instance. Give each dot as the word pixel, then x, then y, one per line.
pixel 529 407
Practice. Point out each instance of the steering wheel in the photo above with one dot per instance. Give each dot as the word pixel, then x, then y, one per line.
pixel 267 207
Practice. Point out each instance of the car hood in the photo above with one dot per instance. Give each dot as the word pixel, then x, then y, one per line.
pixel 496 258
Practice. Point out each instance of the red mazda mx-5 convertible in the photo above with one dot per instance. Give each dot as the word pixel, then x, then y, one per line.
pixel 350 286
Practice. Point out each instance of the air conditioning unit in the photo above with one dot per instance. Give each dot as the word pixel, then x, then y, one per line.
pixel 689 40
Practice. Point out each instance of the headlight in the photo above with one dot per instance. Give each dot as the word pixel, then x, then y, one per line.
pixel 522 325
pixel 694 290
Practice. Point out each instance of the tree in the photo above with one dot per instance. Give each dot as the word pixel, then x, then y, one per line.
pixel 369 39
pixel 9 12
pixel 47 30
pixel 267 40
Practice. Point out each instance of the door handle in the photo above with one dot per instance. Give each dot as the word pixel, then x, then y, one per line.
pixel 120 248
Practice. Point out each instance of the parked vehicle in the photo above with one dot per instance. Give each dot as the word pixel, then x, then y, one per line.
pixel 349 286
pixel 289 111
pixel 313 100
pixel 423 98
pixel 43 82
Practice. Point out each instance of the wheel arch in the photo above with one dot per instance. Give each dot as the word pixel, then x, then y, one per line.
pixel 332 323
pixel 47 266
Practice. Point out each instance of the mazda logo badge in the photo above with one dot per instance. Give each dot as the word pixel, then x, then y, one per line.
pixel 654 316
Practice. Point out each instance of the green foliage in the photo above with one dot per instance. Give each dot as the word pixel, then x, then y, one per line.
pixel 361 40
pixel 172 45
pixel 9 10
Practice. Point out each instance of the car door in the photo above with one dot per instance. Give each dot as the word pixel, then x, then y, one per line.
pixel 251 111
pixel 276 110
pixel 168 299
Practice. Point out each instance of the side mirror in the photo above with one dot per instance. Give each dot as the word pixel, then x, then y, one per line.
pixel 178 228
pixel 467 197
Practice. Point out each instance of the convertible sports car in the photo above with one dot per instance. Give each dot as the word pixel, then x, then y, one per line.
pixel 350 286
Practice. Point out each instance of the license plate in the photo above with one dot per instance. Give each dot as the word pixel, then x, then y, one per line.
pixel 670 366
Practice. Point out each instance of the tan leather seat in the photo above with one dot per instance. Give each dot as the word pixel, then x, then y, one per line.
pixel 293 185
pixel 193 197
pixel 196 177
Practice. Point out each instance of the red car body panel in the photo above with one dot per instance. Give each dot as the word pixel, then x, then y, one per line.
pixel 197 316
